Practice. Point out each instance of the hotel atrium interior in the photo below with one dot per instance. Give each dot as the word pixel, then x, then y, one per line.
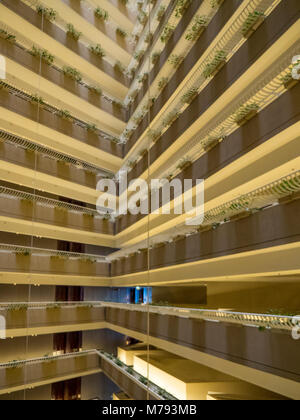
pixel 97 303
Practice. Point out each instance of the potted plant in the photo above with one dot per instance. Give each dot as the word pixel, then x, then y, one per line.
pixel 143 380
pixel 120 32
pixel 245 113
pixel 72 73
pixel 7 36
pixel 101 14
pixel 92 128
pixel 43 54
pixel 181 7
pixel 167 33
pixel 211 142
pixel 97 50
pixel 199 25
pixel 216 64
pixel 170 118
pixel 36 100
pixel 215 3
pixel 176 60
pixel 184 163
pixel 189 96
pixel 252 23
pixel 95 89
pixel 162 83
pixel 48 13
pixel 65 115
pixel 72 32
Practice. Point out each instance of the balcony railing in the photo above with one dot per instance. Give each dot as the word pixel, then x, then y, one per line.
pixel 18 375
pixel 265 321
pixel 23 250
pixel 16 380
pixel 153 389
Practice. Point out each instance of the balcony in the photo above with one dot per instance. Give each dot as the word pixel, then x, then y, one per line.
pixel 24 319
pixel 22 206
pixel 250 347
pixel 19 375
pixel 260 346
pixel 42 266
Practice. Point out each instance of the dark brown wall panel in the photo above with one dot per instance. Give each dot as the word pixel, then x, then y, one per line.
pixel 275 353
pixel 43 116
pixel 25 59
pixel 276 226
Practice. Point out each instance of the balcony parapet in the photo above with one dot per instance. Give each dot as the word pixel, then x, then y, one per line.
pixel 23 374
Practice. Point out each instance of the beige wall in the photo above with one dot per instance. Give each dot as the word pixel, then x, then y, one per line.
pixel 105 339
pixel 37 394
pixel 25 348
pixel 25 293
pixel 254 296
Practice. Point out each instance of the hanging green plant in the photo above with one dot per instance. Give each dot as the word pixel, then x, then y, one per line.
pixel 7 36
pixel 167 33
pixel 176 60
pixel 72 73
pixel 252 23
pixel 43 54
pixel 37 100
pixel 216 64
pixel 117 104
pixel 91 128
pixel 64 114
pixel 121 32
pixel 215 3
pixel 95 89
pixel 162 83
pixel 48 13
pixel 181 7
pixel 101 14
pixel 199 25
pixel 245 113
pixel 72 32
pixel 119 67
pixel 184 163
pixel 97 50
pixel 189 96
pixel 170 118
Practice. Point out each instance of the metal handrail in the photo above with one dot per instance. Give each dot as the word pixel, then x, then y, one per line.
pixel 19 249
pixel 37 360
pixel 282 322
pixel 31 146
pixel 10 192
